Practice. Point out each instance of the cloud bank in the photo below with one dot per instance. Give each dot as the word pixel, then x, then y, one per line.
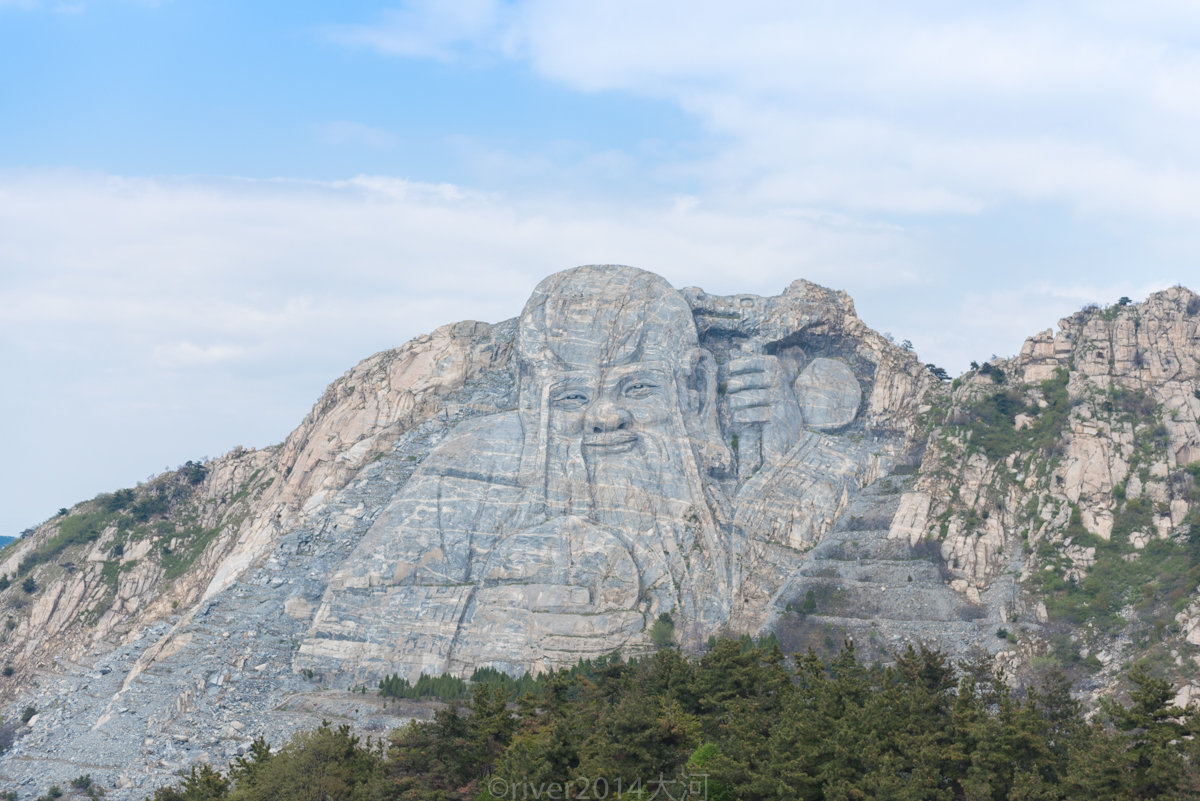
pixel 874 108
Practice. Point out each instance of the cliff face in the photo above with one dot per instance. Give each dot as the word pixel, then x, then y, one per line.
pixel 526 493
pixel 1073 469
pixel 109 567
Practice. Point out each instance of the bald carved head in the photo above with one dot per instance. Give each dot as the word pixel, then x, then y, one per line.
pixel 602 316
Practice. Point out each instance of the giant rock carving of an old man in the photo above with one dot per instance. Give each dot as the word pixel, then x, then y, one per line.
pixel 558 531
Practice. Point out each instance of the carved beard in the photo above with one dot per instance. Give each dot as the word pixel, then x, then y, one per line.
pixel 635 489
pixel 640 494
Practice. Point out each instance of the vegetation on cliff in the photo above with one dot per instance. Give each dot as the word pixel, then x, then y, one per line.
pixel 1070 472
pixel 95 566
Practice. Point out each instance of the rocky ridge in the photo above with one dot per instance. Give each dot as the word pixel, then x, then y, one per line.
pixel 1072 469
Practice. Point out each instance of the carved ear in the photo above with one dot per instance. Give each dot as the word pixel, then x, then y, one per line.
pixel 700 383
pixel 698 401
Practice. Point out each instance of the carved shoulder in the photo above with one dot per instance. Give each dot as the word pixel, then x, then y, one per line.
pixel 486 449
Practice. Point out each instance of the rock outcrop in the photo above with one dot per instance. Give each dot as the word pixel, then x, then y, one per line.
pixel 1067 469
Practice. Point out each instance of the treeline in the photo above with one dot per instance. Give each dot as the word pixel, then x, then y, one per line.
pixel 451 688
pixel 744 722
pixel 445 687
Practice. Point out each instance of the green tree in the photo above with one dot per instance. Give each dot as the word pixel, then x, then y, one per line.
pixel 662 631
pixel 313 766
pixel 1150 729
pixel 202 783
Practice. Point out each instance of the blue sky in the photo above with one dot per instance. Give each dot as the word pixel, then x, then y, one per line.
pixel 209 210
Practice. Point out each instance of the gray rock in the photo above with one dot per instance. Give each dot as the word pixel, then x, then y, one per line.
pixel 636 477
pixel 828 394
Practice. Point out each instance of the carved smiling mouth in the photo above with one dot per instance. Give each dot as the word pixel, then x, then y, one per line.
pixel 618 442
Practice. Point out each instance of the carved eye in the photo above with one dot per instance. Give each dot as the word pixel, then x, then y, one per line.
pixel 570 398
pixel 640 389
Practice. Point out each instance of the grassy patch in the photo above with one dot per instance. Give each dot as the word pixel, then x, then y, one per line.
pixel 991 420
pixel 109 573
pixel 76 529
pixel 248 487
pixel 1156 581
pixel 192 542
pixel 128 510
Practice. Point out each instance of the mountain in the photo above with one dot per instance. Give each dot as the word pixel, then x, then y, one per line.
pixel 622 466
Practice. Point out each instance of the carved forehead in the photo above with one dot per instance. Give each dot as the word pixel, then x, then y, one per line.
pixel 602 316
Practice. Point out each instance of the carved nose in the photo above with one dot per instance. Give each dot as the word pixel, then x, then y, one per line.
pixel 606 416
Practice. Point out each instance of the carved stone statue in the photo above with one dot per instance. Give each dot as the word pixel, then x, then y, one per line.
pixel 636 476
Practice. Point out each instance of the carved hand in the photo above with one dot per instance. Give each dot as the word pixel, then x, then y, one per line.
pixel 760 396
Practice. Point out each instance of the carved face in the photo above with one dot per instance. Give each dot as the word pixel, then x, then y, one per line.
pixel 612 378
pixel 611 409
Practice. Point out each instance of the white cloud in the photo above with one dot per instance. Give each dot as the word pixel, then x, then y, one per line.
pixel 346 133
pixel 871 107
pixel 189 354
pixel 423 29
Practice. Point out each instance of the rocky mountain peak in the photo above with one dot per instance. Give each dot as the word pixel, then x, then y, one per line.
pixel 548 488
pixel 1153 342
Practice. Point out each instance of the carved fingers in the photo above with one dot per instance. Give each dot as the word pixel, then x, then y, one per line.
pixel 752 385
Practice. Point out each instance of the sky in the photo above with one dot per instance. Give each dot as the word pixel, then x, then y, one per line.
pixel 209 210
